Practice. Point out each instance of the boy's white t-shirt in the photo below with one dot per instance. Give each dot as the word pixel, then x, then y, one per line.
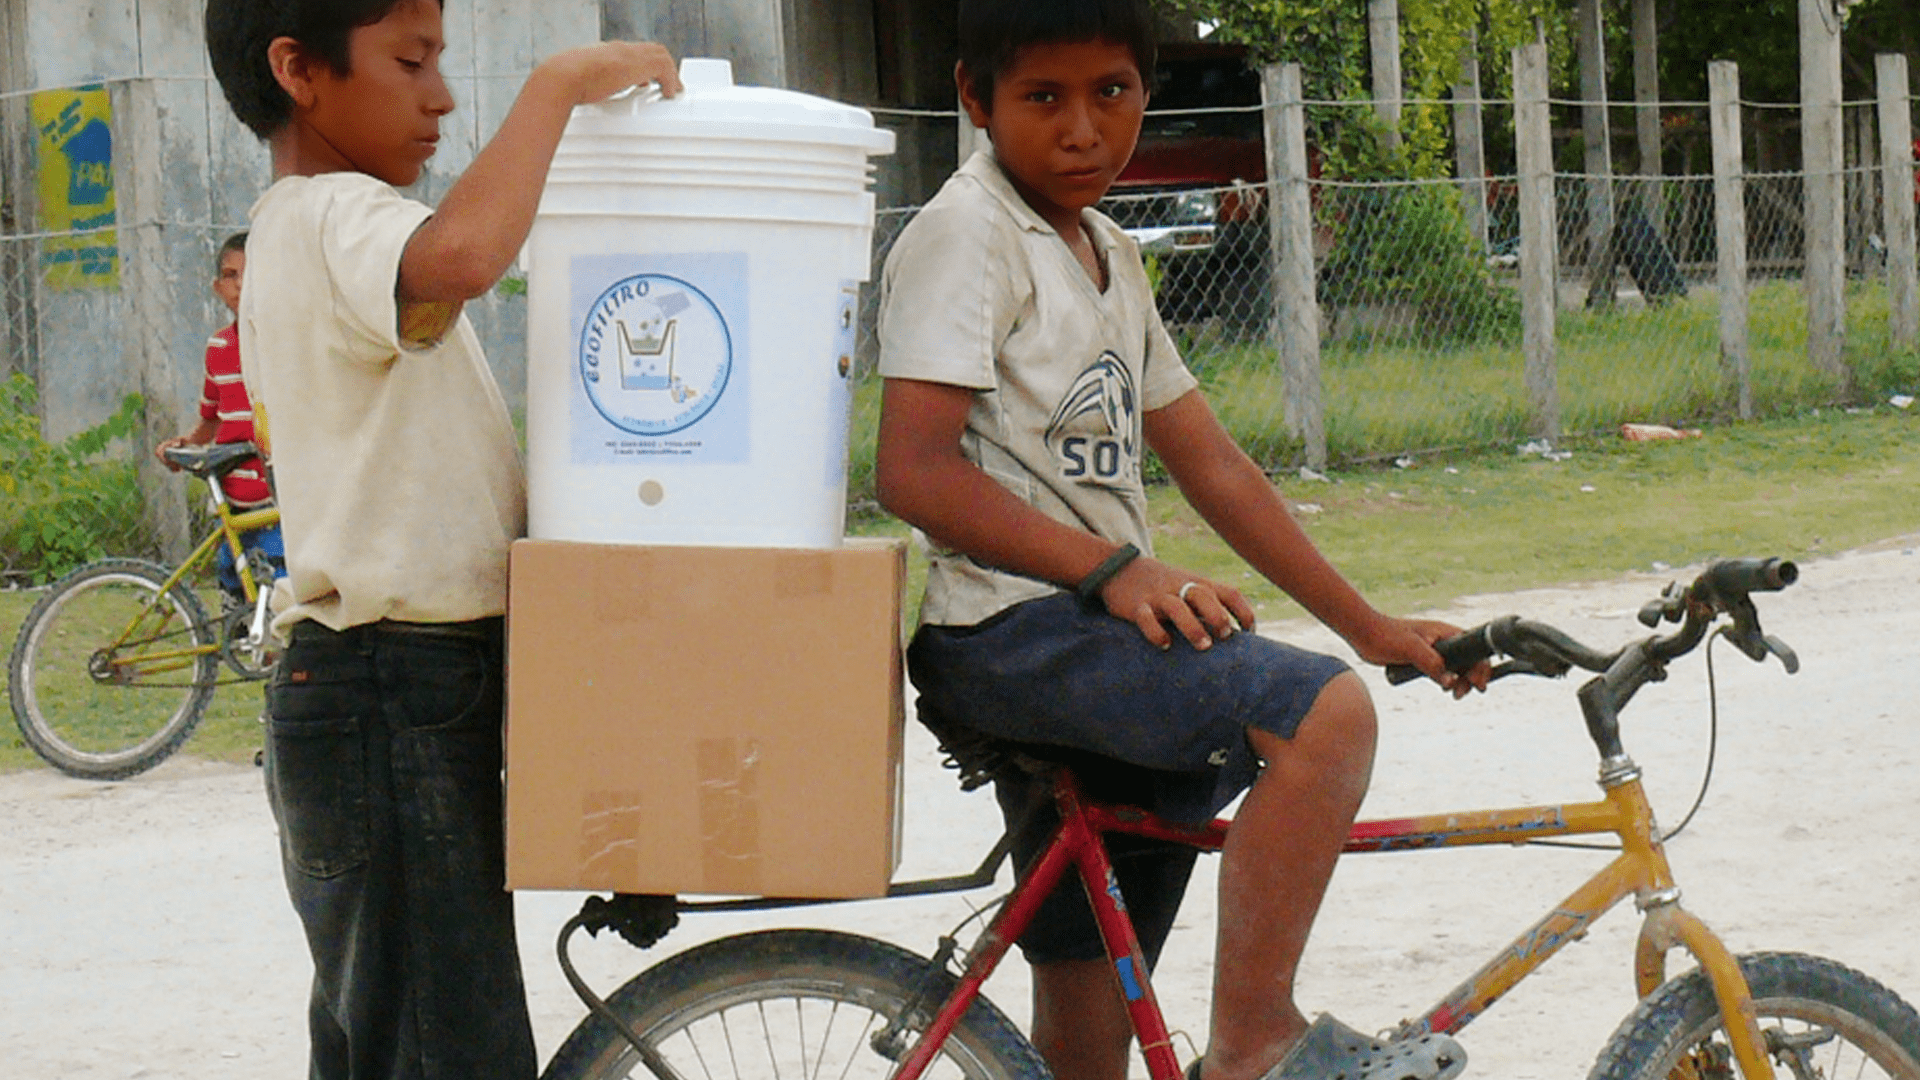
pixel 980 292
pixel 397 470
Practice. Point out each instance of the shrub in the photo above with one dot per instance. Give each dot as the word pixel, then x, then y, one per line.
pixel 64 504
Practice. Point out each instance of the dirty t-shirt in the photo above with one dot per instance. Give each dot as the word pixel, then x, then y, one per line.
pixel 396 465
pixel 980 292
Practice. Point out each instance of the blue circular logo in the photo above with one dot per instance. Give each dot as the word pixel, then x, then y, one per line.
pixel 655 354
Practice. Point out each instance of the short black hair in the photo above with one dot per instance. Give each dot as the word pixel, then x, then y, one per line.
pixel 239 31
pixel 992 33
pixel 236 242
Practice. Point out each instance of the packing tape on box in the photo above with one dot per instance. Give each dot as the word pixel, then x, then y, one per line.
pixel 731 855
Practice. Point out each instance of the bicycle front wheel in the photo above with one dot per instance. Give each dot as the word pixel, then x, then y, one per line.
pixel 111 672
pixel 1819 1018
pixel 799 1004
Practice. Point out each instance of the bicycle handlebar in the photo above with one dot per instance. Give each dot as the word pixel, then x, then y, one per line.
pixel 1539 649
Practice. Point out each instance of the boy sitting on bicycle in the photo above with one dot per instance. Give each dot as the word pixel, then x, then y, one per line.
pixel 401 487
pixel 1027 373
pixel 226 416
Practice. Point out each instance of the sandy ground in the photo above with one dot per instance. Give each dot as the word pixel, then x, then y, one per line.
pixel 144 931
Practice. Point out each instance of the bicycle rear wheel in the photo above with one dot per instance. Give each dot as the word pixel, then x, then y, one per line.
pixel 105 711
pixel 799 1004
pixel 1820 1019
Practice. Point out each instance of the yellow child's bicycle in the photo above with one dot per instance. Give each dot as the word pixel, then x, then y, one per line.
pixel 114 667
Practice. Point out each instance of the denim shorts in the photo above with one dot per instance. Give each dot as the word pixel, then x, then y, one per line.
pixel 1166 730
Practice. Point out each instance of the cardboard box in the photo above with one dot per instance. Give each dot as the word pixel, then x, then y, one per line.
pixel 704 720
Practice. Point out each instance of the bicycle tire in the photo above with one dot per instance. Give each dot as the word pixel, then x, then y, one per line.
pixel 95 727
pixel 1857 1027
pixel 704 1009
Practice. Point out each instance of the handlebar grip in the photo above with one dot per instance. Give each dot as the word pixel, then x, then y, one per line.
pixel 1742 576
pixel 1459 653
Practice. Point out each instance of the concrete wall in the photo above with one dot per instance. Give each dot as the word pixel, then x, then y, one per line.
pixel 882 54
pixel 197 171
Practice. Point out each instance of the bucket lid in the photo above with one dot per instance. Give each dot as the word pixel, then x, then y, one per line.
pixel 712 106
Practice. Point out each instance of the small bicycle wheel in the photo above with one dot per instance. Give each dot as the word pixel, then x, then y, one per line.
pixel 110 674
pixel 1819 1018
pixel 799 1004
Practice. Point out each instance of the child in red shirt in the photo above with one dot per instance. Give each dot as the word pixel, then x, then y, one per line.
pixel 226 416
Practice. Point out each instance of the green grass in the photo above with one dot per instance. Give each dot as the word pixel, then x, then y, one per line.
pixel 1456 525
pixel 1488 521
pixel 99 717
pixel 1657 365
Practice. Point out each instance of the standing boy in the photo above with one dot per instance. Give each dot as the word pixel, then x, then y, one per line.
pixel 1027 374
pixel 400 487
pixel 226 416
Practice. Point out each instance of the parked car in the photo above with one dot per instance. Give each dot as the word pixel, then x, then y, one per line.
pixel 1191 196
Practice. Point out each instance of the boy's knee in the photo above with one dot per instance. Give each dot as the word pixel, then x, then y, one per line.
pixel 1340 727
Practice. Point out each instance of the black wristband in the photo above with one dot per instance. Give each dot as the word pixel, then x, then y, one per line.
pixel 1088 591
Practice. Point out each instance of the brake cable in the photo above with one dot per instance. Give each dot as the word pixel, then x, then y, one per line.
pixel 1706 776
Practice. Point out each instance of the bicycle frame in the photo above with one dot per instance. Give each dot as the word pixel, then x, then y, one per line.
pixel 148 662
pixel 1640 871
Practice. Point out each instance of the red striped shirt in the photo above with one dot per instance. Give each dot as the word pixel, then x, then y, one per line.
pixel 224 398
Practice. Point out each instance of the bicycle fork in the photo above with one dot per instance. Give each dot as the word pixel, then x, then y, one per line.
pixel 1667 925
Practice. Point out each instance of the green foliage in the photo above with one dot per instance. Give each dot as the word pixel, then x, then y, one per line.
pixel 1406 245
pixel 64 504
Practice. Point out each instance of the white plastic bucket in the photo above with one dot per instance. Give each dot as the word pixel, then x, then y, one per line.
pixel 693 283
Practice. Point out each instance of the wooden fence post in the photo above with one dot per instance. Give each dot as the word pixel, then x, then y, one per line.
pixel 1469 154
pixel 1539 240
pixel 1646 117
pixel 1730 228
pixel 1595 132
pixel 1296 307
pixel 1383 41
pixel 1821 148
pixel 1896 199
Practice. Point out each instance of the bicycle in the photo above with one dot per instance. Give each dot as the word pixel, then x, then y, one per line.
pixel 817 1003
pixel 114 667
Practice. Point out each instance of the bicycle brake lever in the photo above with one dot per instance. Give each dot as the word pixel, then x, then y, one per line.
pixel 1788 658
pixel 1671 605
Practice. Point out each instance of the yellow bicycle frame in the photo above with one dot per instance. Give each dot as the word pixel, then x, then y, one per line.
pixel 1640 871
pixel 140 631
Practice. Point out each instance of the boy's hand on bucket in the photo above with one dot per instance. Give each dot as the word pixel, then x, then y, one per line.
pixel 598 72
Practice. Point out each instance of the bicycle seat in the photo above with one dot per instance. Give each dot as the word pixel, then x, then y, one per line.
pixel 208 462
pixel 978 756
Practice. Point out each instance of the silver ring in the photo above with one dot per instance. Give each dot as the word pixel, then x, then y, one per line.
pixel 1185 589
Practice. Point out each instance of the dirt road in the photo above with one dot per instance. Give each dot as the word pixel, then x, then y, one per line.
pixel 144 931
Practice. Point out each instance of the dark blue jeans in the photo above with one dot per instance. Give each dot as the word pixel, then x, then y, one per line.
pixel 383 770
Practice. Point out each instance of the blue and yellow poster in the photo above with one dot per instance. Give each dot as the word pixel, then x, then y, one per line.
pixel 76 187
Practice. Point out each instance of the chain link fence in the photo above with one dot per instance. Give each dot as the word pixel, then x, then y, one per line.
pixel 1418 330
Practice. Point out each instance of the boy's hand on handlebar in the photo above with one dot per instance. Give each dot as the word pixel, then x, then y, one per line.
pixel 597 72
pixel 1410 641
pixel 1154 596
pixel 160 452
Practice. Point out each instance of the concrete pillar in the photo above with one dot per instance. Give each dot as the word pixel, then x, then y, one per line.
pixel 1730 229
pixel 1896 199
pixel 1296 308
pixel 1539 246
pixel 1821 150
pixel 147 304
pixel 1599 155
pixel 1383 38
pixel 1646 115
pixel 1469 154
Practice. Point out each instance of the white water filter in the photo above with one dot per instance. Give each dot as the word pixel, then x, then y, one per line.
pixel 693 281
